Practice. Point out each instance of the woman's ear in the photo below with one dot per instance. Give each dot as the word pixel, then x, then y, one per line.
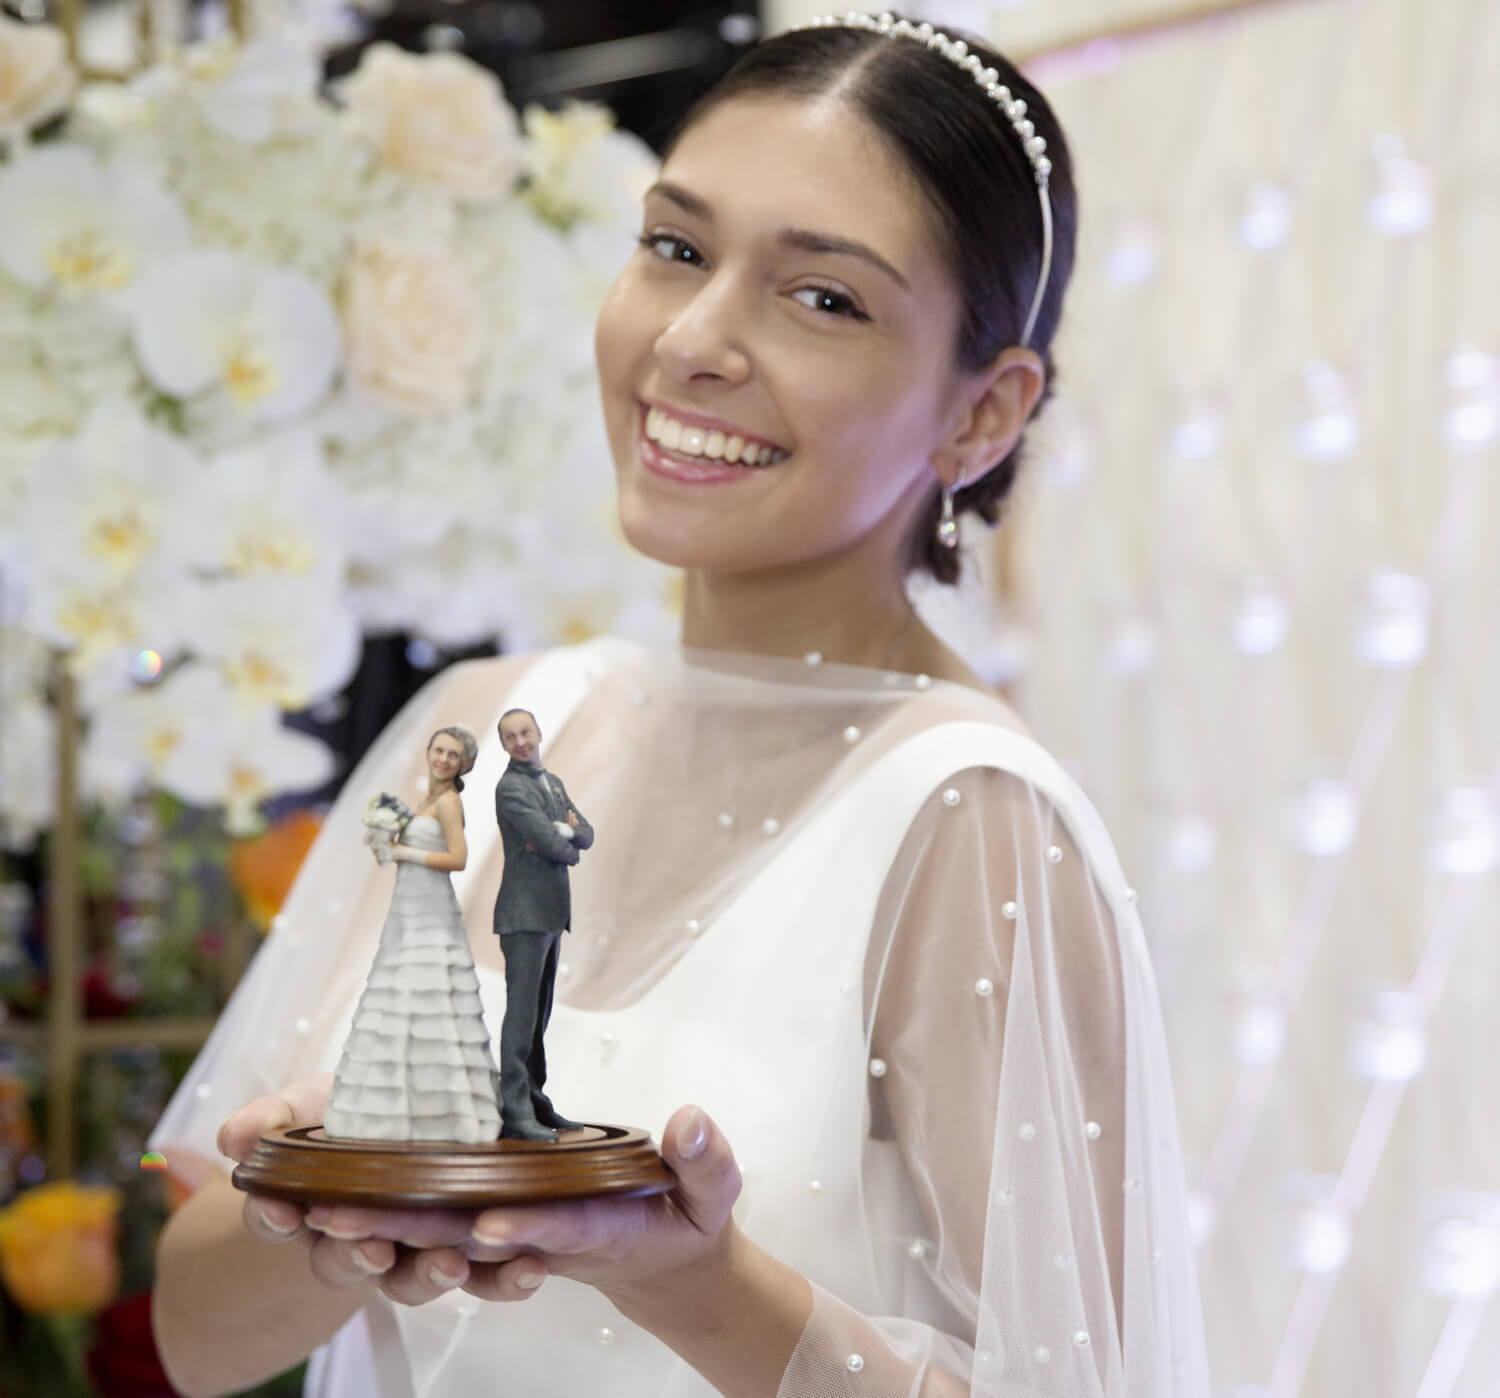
pixel 996 406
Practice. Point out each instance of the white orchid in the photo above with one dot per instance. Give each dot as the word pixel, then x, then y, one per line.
pixel 104 531
pixel 277 641
pixel 266 758
pixel 174 735
pixel 78 226
pixel 277 511
pixel 583 168
pixel 262 337
pixel 241 92
pixel 186 737
pixel 117 494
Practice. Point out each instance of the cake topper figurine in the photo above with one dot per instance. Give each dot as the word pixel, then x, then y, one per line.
pixel 542 833
pixel 419 1116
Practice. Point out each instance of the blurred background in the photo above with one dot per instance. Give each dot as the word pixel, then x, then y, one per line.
pixel 1248 592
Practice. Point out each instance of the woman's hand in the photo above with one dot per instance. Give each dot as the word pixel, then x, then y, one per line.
pixel 412 1272
pixel 646 1251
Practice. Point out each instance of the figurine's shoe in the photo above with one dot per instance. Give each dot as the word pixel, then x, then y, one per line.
pixel 548 1115
pixel 523 1129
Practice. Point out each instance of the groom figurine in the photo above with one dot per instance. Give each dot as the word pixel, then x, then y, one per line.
pixel 542 834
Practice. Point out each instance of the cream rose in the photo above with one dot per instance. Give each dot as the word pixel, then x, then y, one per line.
pixel 36 79
pixel 414 329
pixel 440 117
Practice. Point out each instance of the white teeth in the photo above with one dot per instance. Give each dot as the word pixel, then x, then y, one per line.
pixel 708 442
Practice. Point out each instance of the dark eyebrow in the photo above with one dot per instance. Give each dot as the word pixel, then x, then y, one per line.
pixel 802 239
pixel 807 241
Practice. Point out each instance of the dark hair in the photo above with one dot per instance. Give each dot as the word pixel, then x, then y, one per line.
pixel 964 154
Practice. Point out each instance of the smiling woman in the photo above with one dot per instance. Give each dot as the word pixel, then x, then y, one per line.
pixel 839 896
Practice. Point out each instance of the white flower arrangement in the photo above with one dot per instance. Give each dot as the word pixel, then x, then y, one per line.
pixel 276 370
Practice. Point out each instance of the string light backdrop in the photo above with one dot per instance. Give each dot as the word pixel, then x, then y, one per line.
pixel 1257 585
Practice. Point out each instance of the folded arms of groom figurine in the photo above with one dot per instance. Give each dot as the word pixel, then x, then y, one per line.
pixel 542 833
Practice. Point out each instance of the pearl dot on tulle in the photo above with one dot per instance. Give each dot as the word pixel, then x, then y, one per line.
pixel 1093 1130
pixel 854 1363
pixel 877 1067
pixel 726 819
pixel 1043 1354
pixel 304 1028
pixel 916 1249
pixel 1027 1131
pixel 1010 911
pixel 770 826
pixel 984 987
pixel 202 1092
pixel 1081 1338
pixel 1054 854
pixel 952 796
pixel 606 1336
pixel 851 734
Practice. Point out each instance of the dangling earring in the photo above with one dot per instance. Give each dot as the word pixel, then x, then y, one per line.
pixel 947 530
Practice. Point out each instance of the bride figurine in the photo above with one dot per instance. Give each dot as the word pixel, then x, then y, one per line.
pixel 416 1065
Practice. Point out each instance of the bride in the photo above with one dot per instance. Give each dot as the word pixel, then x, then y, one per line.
pixel 850 940
pixel 416 1065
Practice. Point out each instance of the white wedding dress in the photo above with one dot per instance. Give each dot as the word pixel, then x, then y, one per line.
pixel 878 933
pixel 417 1065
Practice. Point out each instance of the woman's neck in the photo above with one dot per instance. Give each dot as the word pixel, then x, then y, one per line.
pixel 848 614
pixel 436 789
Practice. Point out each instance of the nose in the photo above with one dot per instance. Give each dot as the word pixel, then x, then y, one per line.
pixel 701 344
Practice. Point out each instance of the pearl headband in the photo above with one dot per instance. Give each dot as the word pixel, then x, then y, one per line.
pixel 956 51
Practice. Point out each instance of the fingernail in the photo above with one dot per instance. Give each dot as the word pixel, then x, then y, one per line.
pixel 529 1281
pixel 367 1264
pixel 692 1139
pixel 443 1276
pixel 492 1234
pixel 282 1230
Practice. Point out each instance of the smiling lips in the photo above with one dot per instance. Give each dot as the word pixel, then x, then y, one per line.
pixel 686 439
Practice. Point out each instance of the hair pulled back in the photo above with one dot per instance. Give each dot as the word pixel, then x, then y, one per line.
pixel 962 152
pixel 468 742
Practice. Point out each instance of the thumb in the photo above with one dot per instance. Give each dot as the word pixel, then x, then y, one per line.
pixel 708 1177
pixel 300 1103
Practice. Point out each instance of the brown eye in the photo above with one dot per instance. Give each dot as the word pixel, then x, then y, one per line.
pixel 670 248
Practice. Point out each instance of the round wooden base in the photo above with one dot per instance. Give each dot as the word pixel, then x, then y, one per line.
pixel 302 1164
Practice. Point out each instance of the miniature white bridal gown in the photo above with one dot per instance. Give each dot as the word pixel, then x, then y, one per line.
pixel 417 1064
pixel 881 937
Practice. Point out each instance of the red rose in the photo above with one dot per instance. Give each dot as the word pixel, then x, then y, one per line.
pixel 123 1362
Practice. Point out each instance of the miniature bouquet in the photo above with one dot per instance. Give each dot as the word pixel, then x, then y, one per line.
pixel 385 818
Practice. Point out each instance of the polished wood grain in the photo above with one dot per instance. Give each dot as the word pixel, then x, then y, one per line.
pixel 305 1166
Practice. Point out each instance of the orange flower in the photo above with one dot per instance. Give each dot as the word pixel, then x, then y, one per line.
pixel 263 868
pixel 57 1248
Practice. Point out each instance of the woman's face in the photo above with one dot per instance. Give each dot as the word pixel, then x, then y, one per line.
pixel 788 299
pixel 445 756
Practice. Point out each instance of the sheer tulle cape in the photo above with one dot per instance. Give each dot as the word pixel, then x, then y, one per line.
pixel 986 1085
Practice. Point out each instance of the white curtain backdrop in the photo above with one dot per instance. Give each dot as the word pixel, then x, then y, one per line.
pixel 1252 598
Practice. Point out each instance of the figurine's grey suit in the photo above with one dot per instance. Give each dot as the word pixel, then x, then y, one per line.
pixel 533 909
